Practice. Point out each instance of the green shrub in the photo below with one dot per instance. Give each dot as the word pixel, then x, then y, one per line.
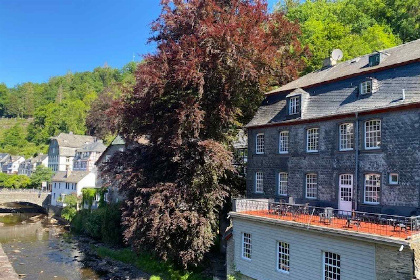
pixel 93 224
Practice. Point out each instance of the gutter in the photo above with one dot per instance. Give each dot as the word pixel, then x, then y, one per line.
pixel 356 156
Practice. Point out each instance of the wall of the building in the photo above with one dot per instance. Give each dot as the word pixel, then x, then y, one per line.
pixel 399 152
pixel 59 188
pixel 359 259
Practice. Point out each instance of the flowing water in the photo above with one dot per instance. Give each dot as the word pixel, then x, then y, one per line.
pixel 38 249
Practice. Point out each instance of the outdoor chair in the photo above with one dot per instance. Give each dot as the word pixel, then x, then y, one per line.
pixel 327 216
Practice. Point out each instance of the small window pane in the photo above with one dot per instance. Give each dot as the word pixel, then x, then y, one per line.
pixel 259 187
pixel 312 140
pixel 284 142
pixel 246 245
pixel 311 185
pixel 366 87
pixel 393 178
pixel 332 266
pixel 294 105
pixel 283 178
pixel 260 144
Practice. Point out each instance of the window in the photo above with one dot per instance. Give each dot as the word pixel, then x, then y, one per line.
pixel 366 87
pixel 372 188
pixel 283 183
pixel 346 137
pixel 294 105
pixel 393 179
pixel 259 149
pixel 311 185
pixel 331 266
pixel 246 246
pixel 283 257
pixel 284 142
pixel 312 139
pixel 373 134
pixel 374 59
pixel 67 159
pixel 259 187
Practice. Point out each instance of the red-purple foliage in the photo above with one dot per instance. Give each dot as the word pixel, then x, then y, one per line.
pixel 215 58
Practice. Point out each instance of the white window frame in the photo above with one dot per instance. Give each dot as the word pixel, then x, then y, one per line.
pixel 260 144
pixel 366 87
pixel 311 183
pixel 372 188
pixel 259 182
pixel 371 135
pixel 346 137
pixel 331 262
pixel 392 182
pixel 283 179
pixel 312 140
pixel 283 257
pixel 246 246
pixel 294 105
pixel 284 142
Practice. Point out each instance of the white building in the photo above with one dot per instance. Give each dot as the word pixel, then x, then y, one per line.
pixel 63 148
pixel 29 166
pixel 68 182
pixel 11 166
pixel 87 156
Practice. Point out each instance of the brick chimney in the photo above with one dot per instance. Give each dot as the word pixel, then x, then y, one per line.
pixel 68 172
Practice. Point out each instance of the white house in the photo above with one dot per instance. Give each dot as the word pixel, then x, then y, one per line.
pixel 12 164
pixel 29 166
pixel 86 156
pixel 62 150
pixel 68 182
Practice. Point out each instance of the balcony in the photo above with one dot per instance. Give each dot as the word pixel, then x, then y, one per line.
pixel 327 218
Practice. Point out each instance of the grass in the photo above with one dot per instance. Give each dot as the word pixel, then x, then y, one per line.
pixel 158 269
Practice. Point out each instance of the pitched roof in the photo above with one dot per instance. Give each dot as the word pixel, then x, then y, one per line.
pixel 397 55
pixel 118 140
pixel 75 176
pixel 342 97
pixel 72 140
pixel 97 146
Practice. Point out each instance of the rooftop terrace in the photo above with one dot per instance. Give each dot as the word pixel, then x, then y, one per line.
pixel 326 217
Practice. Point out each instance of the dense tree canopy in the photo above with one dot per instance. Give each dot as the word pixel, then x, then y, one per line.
pixel 214 61
pixel 355 26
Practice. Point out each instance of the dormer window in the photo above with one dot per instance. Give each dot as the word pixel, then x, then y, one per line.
pixel 366 87
pixel 374 59
pixel 294 105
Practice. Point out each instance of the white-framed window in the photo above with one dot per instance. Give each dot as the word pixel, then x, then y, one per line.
pixel 259 143
pixel 366 87
pixel 283 257
pixel 331 266
pixel 259 182
pixel 294 105
pixel 372 188
pixel 394 179
pixel 284 142
pixel 312 140
pixel 372 134
pixel 283 178
pixel 346 136
pixel 246 246
pixel 311 185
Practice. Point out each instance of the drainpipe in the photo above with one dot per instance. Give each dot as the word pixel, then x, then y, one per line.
pixel 356 156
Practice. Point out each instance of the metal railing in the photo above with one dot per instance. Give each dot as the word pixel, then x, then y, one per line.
pixel 371 223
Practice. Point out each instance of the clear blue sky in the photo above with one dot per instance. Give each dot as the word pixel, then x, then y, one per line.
pixel 44 38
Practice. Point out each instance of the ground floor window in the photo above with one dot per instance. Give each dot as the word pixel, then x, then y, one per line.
pixel 283 256
pixel 259 186
pixel 331 266
pixel 372 188
pixel 246 245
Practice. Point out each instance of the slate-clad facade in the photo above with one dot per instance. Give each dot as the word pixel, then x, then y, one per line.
pixel 395 102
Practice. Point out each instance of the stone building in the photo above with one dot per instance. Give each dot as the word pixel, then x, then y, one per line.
pixel 333 168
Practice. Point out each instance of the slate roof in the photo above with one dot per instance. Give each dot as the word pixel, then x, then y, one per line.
pixel 72 140
pixel 400 54
pixel 97 146
pixel 342 97
pixel 75 176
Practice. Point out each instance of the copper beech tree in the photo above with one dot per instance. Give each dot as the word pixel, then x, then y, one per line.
pixel 214 60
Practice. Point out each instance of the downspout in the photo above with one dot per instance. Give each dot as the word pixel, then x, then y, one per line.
pixel 356 157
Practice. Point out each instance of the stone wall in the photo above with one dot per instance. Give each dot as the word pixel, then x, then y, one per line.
pixel 42 199
pixel 399 152
pixel 415 246
pixel 391 263
pixel 6 269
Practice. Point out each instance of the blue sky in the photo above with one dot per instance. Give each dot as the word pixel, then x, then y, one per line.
pixel 44 38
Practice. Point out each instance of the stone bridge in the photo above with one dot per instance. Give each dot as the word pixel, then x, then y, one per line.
pixel 37 197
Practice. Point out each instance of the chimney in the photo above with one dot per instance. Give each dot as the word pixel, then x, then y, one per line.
pixel 403 94
pixel 68 172
pixel 328 62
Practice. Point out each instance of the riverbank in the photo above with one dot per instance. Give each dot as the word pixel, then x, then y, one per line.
pixel 6 268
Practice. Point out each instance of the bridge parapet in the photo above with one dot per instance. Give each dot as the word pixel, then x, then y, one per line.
pixel 34 196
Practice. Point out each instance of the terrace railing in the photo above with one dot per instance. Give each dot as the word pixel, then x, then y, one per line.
pixel 371 223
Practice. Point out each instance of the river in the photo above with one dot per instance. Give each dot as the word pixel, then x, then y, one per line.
pixel 39 249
